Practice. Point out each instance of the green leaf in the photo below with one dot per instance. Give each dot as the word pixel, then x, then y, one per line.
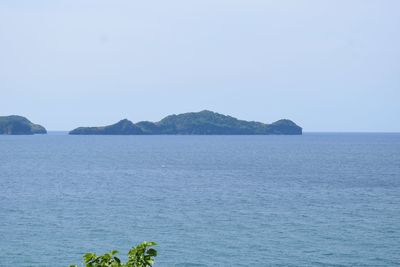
pixel 149 244
pixel 152 252
pixel 89 256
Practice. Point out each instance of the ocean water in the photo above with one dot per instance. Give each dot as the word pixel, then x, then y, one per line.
pixel 311 200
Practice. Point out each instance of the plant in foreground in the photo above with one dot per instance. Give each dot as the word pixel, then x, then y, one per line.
pixel 139 256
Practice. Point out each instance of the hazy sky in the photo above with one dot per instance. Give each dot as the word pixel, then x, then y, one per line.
pixel 328 65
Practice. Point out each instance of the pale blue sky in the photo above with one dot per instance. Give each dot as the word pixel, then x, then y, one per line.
pixel 327 65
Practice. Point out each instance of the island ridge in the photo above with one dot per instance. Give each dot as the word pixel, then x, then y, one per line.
pixel 194 123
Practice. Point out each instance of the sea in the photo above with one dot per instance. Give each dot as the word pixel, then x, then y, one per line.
pixel 320 199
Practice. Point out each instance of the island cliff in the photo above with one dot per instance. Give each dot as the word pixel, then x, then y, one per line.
pixel 194 123
pixel 18 125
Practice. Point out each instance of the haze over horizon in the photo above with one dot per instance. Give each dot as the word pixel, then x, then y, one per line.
pixel 329 66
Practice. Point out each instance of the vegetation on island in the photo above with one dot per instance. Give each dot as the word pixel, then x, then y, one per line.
pixel 18 125
pixel 200 123
pixel 139 256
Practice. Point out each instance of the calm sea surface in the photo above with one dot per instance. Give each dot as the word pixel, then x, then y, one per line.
pixel 311 200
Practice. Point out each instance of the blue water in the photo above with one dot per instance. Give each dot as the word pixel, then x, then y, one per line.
pixel 311 200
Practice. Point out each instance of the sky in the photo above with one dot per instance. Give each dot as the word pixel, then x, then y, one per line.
pixel 330 66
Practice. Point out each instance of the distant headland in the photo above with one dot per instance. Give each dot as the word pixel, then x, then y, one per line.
pixel 18 125
pixel 194 123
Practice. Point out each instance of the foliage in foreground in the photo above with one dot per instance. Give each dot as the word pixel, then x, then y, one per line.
pixel 139 256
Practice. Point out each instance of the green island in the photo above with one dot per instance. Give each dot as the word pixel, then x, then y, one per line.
pixel 194 123
pixel 18 125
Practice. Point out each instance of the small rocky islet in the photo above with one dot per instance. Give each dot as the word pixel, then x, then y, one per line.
pixel 18 125
pixel 194 123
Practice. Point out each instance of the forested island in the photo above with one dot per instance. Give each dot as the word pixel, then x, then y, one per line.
pixel 194 123
pixel 18 125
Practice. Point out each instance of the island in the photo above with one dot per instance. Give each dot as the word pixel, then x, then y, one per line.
pixel 18 125
pixel 194 123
